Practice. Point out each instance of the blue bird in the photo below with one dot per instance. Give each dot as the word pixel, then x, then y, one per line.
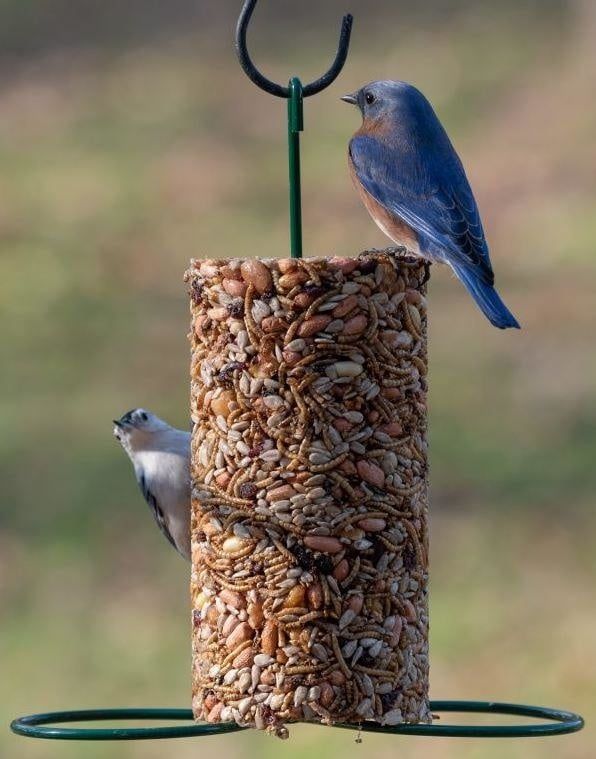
pixel 414 186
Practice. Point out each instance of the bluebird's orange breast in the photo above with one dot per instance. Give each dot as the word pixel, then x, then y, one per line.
pixel 392 225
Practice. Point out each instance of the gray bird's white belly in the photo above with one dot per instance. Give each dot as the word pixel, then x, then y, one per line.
pixel 168 478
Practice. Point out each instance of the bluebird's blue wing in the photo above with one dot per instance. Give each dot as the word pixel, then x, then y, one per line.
pixel 430 193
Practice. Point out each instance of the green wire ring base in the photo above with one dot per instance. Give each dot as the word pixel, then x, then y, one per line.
pixel 40 725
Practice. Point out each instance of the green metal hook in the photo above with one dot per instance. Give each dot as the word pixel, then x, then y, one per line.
pixel 295 92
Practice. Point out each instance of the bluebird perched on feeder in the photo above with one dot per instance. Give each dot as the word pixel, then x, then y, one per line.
pixel 413 184
pixel 160 455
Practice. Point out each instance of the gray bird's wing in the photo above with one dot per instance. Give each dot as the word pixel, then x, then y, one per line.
pixel 154 506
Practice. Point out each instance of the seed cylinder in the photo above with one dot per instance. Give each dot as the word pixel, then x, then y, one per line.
pixel 310 490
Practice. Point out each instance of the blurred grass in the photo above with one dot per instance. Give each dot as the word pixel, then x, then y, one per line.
pixel 117 164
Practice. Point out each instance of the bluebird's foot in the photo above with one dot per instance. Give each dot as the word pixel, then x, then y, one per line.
pixel 427 265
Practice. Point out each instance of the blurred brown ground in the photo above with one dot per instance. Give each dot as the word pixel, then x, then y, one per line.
pixel 129 142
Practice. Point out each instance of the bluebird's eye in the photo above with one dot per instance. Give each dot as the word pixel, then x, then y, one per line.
pixel 370 98
pixel 143 416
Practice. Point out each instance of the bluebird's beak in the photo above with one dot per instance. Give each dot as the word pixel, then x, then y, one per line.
pixel 351 99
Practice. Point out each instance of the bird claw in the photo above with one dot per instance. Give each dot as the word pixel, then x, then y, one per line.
pixel 427 265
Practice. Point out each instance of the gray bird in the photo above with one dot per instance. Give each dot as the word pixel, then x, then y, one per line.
pixel 160 455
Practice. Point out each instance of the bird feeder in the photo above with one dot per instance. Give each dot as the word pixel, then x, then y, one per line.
pixel 309 524
pixel 310 490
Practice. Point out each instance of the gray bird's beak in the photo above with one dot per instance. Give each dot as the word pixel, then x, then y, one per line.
pixel 351 99
pixel 118 423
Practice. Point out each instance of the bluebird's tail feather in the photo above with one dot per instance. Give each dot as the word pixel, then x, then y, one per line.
pixel 486 297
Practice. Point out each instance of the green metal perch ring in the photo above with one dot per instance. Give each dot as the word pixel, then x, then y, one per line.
pixel 42 725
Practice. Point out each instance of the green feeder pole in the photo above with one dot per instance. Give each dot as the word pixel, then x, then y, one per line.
pixel 295 126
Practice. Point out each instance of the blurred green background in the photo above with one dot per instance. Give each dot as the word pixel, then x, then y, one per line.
pixel 130 141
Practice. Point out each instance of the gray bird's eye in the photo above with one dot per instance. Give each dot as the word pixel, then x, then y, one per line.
pixel 143 416
pixel 370 98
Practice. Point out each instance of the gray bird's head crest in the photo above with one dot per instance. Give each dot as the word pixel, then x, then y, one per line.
pixel 137 424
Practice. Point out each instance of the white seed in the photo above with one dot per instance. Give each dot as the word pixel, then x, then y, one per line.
pixel 270 455
pixel 394 717
pixel 242 338
pixel 244 705
pixel 260 310
pixel 244 383
pixel 373 392
pixel 349 648
pixel 255 385
pixel 273 401
pixel 242 448
pixel 297 345
pixel 318 457
pixel 241 530
pixel 276 701
pixel 244 681
pixel 329 306
pixel 364 707
pixel 346 618
pixel 320 652
pixel 340 448
pixel 313 693
pixel 335 326
pixel 354 416
pixel 347 368
pixel 383 688
pixel 300 695
pixel 358 358
pixel 375 649
pixel 263 660
pixel 321 384
pixel 275 419
pixel 367 685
